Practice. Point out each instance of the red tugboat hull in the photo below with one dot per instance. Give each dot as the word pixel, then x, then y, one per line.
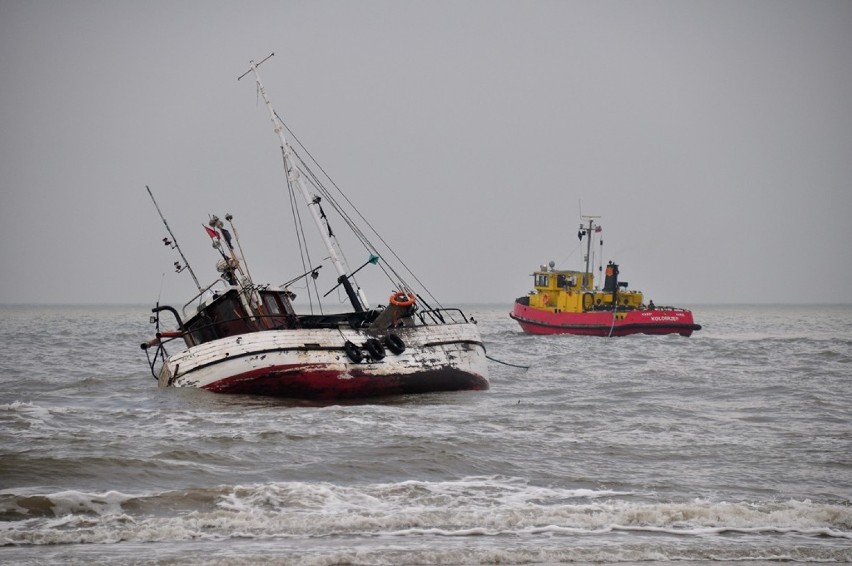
pixel 603 323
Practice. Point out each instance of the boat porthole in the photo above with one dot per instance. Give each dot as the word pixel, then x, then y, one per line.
pixel 353 351
pixel 375 349
pixel 395 344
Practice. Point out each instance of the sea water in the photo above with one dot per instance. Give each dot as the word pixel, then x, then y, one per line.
pixel 732 445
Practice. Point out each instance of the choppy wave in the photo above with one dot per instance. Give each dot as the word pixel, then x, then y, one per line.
pixel 732 445
pixel 474 506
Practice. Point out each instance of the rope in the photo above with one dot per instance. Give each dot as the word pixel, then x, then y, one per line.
pixel 506 363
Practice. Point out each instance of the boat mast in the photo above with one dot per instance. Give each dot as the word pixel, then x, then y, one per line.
pixel 174 242
pixel 589 234
pixel 357 298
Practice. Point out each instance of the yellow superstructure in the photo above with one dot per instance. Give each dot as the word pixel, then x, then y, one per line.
pixel 573 291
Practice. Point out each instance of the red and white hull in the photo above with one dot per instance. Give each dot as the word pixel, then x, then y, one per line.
pixel 605 323
pixel 313 363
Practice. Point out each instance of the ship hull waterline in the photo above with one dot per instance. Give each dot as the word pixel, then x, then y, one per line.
pixel 314 365
pixel 605 323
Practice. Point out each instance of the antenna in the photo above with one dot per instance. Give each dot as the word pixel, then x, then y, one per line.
pixel 173 243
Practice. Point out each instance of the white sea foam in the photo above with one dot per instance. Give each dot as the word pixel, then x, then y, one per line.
pixel 27 409
pixel 473 507
pixel 80 503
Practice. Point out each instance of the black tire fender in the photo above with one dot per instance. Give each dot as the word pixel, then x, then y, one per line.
pixel 395 344
pixel 374 348
pixel 354 352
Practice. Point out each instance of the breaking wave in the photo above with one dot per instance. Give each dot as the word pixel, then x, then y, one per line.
pixel 474 506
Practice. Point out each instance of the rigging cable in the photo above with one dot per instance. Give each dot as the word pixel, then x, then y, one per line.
pixel 317 184
pixel 304 251
pixel 359 234
pixel 571 253
pixel 389 248
pixel 400 280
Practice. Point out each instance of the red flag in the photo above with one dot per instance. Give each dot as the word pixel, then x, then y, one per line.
pixel 212 233
pixel 598 229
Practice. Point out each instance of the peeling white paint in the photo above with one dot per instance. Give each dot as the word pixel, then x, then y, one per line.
pixel 454 346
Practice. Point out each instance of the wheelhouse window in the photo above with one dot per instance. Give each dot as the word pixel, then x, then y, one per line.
pixel 230 317
pixel 271 304
pixel 542 280
pixel 224 317
pixel 279 310
pixel 565 281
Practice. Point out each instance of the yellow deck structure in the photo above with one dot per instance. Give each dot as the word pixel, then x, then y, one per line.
pixel 573 291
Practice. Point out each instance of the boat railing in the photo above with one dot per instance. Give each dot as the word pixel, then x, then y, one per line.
pixel 441 315
pixel 201 293
pixel 158 309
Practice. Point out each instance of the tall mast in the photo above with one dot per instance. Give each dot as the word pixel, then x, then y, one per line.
pixel 589 234
pixel 311 200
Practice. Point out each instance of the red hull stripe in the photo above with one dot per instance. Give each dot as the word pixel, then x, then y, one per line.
pixel 319 383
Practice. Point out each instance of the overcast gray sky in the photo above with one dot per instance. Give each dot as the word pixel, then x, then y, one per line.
pixel 714 139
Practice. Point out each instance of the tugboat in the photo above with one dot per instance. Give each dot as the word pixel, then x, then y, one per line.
pixel 568 302
pixel 236 336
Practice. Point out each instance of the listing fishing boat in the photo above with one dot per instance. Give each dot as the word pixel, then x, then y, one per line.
pixel 569 302
pixel 236 336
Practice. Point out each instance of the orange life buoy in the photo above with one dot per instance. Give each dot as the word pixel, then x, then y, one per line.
pixel 401 299
pixel 545 299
